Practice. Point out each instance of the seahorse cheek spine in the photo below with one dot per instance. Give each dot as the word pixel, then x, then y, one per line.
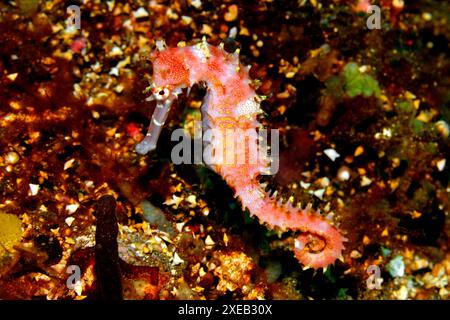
pixel 232 103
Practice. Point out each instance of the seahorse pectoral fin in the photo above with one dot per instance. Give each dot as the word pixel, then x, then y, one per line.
pixel 157 122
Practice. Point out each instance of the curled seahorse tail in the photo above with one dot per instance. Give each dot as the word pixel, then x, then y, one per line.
pixel 319 244
pixel 319 251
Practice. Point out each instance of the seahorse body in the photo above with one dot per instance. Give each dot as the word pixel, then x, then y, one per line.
pixel 231 102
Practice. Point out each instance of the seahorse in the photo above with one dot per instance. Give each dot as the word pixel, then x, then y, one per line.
pixel 231 102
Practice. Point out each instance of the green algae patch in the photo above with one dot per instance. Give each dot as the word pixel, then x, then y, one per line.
pixel 10 231
pixel 404 107
pixel 28 7
pixel 358 83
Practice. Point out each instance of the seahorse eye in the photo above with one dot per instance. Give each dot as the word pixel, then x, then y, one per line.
pixel 162 93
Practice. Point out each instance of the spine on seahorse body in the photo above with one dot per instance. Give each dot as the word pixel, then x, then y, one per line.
pixel 231 103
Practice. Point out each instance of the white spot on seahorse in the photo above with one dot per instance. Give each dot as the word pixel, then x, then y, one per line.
pixel 248 107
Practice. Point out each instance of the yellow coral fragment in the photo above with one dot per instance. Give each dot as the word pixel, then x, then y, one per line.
pixel 10 231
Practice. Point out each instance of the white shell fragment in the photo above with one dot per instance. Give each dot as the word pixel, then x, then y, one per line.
pixel 209 241
pixel 69 220
pixel 140 13
pixel 343 173
pixel 176 259
pixel 441 164
pixel 68 164
pixel 365 181
pixel 319 193
pixel 34 189
pixel 71 208
pixel 332 154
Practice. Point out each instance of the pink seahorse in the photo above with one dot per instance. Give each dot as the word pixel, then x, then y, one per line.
pixel 231 102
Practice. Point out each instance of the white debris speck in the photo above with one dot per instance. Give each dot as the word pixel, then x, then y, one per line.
pixel 69 221
pixel 114 72
pixel 186 20
pixel 180 226
pixel 324 182
pixel 233 32
pixel 192 199
pixel 78 288
pixel 97 67
pixel 115 51
pixel 171 14
pixel 343 173
pixel 298 245
pixel 12 76
pixel 110 5
pixel 68 164
pixel 332 154
pixel 363 69
pixel 306 174
pixel 12 157
pixel 402 293
pixel 119 88
pixel 387 133
pixel 225 239
pixel 443 128
pixel 127 24
pixel 427 16
pixel 140 13
pixel 396 267
pixel 209 241
pixel 42 277
pixel 319 193
pixel 197 4
pixel 176 259
pixel 441 164
pixel 123 63
pixel 365 181
pixel 95 114
pixel 34 189
pixel 71 208
pixel 355 254
pixel 175 201
pixel 304 185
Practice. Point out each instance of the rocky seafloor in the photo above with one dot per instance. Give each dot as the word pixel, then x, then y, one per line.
pixel 363 115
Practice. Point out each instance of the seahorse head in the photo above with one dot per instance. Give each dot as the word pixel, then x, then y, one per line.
pixel 169 71
pixel 170 76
